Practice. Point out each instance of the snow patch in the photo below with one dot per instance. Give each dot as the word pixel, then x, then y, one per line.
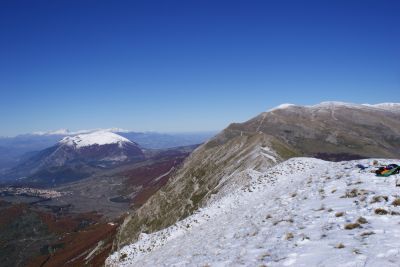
pixel 94 138
pixel 386 106
pixel 268 153
pixel 332 104
pixel 282 106
pixel 394 107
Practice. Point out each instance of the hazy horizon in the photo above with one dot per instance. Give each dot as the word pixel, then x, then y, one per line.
pixel 188 66
pixel 79 131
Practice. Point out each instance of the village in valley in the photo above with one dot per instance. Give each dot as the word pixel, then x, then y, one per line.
pixel 30 192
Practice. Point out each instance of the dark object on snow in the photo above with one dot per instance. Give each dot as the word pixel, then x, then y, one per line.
pixel 362 167
pixel 388 170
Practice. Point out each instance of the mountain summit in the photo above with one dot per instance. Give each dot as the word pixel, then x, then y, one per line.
pixel 95 138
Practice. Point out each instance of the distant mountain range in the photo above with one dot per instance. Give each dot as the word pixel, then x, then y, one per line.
pixel 14 150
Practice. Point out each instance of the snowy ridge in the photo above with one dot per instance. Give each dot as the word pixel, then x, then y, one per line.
pixel 386 106
pixel 282 106
pixel 94 138
pixel 393 107
pixel 303 212
pixel 330 104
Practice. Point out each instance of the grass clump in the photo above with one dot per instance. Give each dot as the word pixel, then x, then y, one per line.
pixel 396 202
pixel 351 226
pixel 351 194
pixel 377 199
pixel 368 233
pixel 289 236
pixel 381 211
pixel 362 220
pixel 340 245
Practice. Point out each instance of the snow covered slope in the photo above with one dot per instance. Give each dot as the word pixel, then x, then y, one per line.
pixel 94 138
pixel 393 107
pixel 302 212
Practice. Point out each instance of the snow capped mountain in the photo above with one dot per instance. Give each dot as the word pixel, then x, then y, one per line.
pixel 77 157
pixel 95 138
pixel 302 212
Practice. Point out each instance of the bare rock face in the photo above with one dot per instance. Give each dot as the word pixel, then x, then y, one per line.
pixel 331 130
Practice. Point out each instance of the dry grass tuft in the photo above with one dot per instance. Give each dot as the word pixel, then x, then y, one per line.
pixel 381 211
pixel 367 233
pixel 376 199
pixel 351 226
pixel 362 220
pixel 351 194
pixel 396 202
pixel 340 245
pixel 289 236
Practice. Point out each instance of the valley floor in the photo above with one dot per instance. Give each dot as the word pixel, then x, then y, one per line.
pixel 303 212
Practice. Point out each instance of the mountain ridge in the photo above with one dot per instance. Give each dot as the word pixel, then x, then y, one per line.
pixel 330 132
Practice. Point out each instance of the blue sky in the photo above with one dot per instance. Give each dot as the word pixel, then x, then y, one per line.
pixel 188 65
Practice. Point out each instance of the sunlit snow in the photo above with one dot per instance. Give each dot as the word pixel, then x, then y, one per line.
pixel 303 212
pixel 94 138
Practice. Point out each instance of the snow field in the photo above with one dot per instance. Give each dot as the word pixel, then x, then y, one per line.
pixel 94 138
pixel 302 212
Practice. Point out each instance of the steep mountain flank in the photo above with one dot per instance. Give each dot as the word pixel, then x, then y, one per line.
pixel 330 130
pixel 207 170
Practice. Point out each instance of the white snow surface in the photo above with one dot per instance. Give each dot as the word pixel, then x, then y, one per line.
pixel 286 216
pixel 282 106
pixel 393 107
pixel 386 106
pixel 94 138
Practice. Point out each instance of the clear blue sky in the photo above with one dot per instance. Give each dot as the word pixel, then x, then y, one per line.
pixel 188 65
